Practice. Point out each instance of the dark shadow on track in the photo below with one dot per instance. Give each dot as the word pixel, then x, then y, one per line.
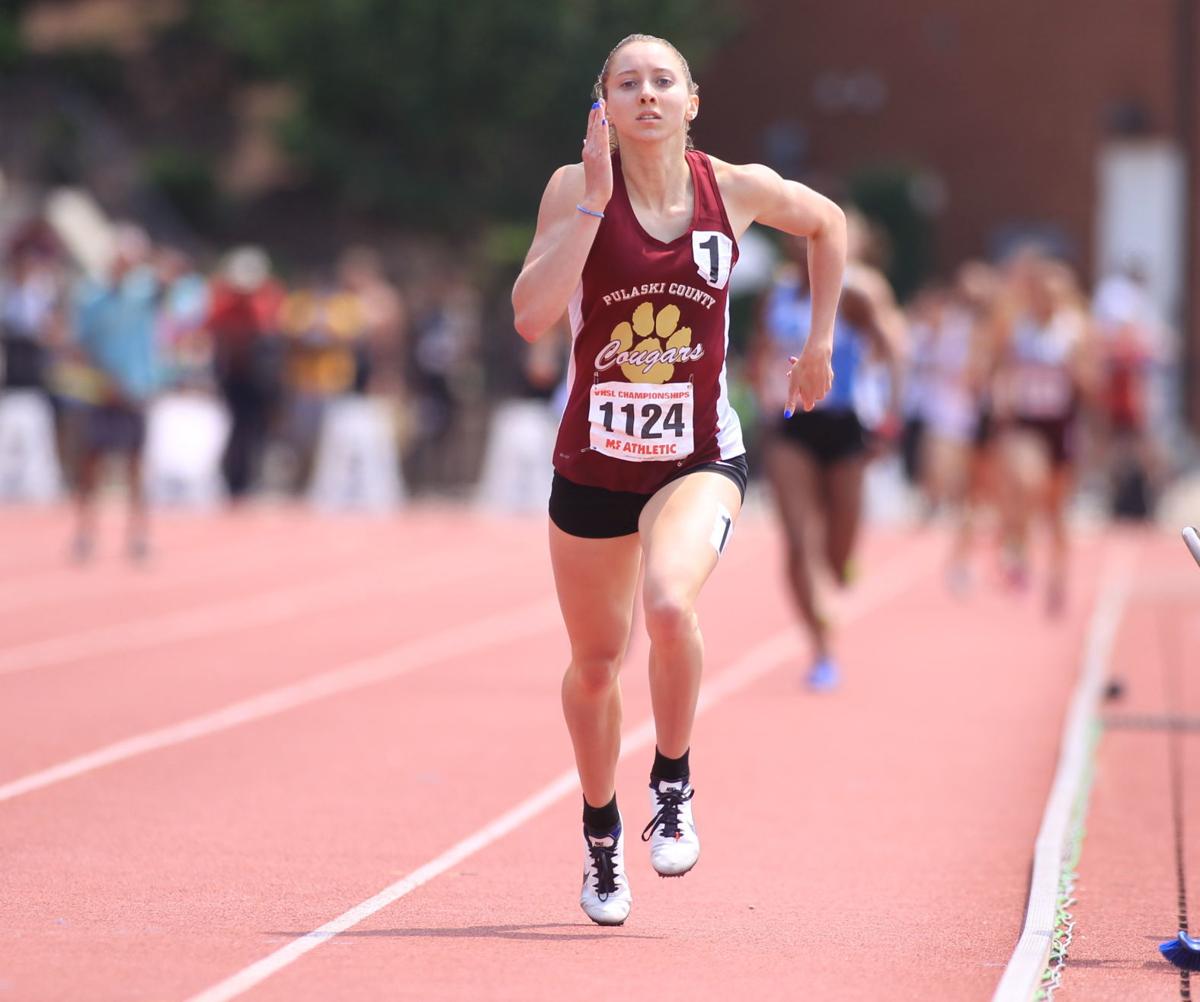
pixel 1123 964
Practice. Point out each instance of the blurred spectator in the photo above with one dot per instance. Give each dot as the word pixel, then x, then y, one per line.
pixel 1133 345
pixel 544 373
pixel 924 317
pixel 31 308
pixel 517 472
pixel 33 324
pixel 183 334
pixel 115 321
pixel 247 359
pixel 379 351
pixel 445 380
pixel 324 329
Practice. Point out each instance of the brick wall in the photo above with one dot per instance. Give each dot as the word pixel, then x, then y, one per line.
pixel 1006 103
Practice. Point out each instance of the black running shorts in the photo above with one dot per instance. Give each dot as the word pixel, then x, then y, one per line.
pixel 829 436
pixel 597 513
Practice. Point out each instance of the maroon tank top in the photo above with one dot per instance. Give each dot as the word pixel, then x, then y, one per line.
pixel 650 330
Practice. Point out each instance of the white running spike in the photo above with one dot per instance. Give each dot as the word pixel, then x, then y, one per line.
pixel 674 844
pixel 605 896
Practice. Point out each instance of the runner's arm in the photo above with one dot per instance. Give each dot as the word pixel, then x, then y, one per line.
pixel 762 196
pixel 572 207
pixel 758 194
pixel 556 257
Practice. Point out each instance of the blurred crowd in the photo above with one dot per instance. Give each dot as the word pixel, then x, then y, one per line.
pixel 1016 378
pixel 1002 388
pixel 1003 396
pixel 1007 392
pixel 273 355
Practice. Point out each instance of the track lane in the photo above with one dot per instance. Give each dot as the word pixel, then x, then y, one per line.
pixel 211 853
pixel 1128 887
pixel 794 881
pixel 176 828
pixel 72 710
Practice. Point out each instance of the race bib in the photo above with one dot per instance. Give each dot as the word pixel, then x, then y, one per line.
pixel 638 422
pixel 1042 391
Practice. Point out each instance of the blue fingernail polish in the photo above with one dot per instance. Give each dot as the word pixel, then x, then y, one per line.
pixel 787 412
pixel 595 105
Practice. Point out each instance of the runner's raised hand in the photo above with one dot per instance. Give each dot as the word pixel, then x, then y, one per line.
pixel 597 161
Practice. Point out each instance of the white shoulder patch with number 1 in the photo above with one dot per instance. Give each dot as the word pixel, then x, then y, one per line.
pixel 712 251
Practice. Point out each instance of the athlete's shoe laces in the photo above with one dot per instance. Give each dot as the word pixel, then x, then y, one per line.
pixel 603 868
pixel 674 844
pixel 605 896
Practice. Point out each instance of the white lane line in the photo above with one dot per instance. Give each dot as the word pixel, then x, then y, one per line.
pixel 456 641
pixel 1022 976
pixel 227 616
pixel 891 579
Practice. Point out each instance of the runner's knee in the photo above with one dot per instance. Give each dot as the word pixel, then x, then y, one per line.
pixel 595 671
pixel 670 618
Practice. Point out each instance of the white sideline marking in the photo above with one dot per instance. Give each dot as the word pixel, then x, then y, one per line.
pixel 1022 976
pixel 220 617
pixel 893 577
pixel 455 641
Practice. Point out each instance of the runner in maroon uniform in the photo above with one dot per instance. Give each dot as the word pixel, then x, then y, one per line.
pixel 637 247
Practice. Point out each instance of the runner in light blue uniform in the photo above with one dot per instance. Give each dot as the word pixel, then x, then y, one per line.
pixel 816 460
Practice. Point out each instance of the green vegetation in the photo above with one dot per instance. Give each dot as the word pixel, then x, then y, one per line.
pixel 185 180
pixel 57 145
pixel 445 115
pixel 11 50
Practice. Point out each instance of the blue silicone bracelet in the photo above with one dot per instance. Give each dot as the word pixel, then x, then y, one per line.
pixel 590 212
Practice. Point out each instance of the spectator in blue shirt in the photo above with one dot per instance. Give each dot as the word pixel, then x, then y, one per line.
pixel 116 321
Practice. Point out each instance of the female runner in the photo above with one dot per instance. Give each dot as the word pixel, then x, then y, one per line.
pixel 636 244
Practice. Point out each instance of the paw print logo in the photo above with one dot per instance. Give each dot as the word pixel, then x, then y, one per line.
pixel 652 358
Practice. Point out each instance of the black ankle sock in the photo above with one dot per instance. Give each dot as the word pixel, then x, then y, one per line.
pixel 601 820
pixel 672 770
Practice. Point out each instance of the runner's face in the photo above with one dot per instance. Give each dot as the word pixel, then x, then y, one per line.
pixel 647 93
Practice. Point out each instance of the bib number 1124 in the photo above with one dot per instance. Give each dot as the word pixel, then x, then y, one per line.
pixel 650 416
pixel 639 422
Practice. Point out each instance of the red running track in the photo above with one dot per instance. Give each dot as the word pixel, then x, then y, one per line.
pixel 395 689
pixel 1147 769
